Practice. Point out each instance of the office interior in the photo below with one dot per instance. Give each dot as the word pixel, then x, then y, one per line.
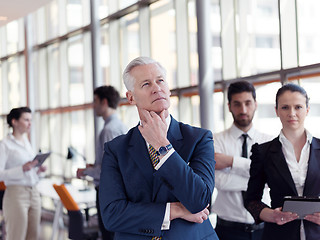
pixel 52 58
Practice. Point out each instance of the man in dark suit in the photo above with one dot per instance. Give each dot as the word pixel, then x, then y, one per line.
pixel 163 192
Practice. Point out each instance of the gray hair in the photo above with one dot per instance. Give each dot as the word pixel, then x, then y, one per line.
pixel 129 80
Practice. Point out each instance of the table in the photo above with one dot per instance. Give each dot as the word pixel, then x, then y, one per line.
pixel 87 197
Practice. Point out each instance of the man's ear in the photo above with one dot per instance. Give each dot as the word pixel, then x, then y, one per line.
pixel 275 108
pixel 130 97
pixel 229 107
pixel 105 101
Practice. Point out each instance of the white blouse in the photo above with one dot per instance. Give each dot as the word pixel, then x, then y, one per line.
pixel 13 155
pixel 297 169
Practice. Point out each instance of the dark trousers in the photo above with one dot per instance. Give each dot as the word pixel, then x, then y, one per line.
pixel 230 233
pixel 106 235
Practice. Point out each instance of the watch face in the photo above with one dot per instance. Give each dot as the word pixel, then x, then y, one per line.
pixel 163 150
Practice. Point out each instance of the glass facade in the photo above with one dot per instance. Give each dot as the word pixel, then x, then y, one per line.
pixel 265 42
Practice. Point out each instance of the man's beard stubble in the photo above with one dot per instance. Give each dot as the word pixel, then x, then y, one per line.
pixel 242 122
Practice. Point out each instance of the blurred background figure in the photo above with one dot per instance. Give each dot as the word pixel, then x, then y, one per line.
pixel 21 201
pixel 232 151
pixel 106 100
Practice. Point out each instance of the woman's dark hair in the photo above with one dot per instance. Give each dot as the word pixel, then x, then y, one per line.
pixel 16 113
pixel 240 87
pixel 292 88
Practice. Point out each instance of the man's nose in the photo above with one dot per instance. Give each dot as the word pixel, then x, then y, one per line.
pixel 156 87
pixel 243 108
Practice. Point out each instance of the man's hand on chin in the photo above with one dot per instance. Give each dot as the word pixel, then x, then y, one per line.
pixel 153 127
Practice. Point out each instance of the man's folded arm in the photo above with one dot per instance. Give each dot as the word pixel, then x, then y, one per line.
pixel 192 183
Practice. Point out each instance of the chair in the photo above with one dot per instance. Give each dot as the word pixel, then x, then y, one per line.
pixel 2 227
pixel 76 228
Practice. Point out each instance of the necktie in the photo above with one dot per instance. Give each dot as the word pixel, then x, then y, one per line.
pixel 153 156
pixel 245 155
pixel 154 160
pixel 244 146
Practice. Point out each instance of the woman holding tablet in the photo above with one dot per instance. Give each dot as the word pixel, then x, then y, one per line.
pixel 21 201
pixel 290 165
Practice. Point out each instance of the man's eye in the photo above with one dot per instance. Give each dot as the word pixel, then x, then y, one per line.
pixel 145 84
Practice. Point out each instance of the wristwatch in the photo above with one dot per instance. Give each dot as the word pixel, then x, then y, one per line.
pixel 163 150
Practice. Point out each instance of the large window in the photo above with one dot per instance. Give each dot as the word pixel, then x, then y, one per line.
pixel 264 42
pixel 163 40
pixel 309 36
pixel 257 32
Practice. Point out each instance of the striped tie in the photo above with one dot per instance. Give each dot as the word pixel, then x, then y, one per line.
pixel 153 156
pixel 154 160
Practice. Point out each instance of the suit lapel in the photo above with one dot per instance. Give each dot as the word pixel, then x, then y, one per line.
pixel 280 163
pixel 174 136
pixel 139 154
pixel 313 176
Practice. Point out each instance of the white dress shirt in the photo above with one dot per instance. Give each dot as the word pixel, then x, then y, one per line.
pixel 13 155
pixel 230 181
pixel 166 220
pixel 297 169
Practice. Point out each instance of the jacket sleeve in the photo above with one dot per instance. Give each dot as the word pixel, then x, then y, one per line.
pixel 193 180
pixel 256 184
pixel 118 213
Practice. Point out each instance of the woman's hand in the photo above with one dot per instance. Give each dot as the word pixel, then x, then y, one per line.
pixel 277 216
pixel 42 169
pixel 315 218
pixel 29 165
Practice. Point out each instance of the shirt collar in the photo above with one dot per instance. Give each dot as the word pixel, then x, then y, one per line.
pixel 112 116
pixel 235 131
pixel 12 138
pixel 282 137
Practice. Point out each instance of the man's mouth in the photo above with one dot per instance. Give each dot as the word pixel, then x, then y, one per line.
pixel 158 99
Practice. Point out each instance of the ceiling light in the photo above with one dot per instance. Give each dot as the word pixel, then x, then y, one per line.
pixel 3 18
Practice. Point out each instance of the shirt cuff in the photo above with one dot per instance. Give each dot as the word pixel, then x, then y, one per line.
pixel 166 220
pixel 241 166
pixel 164 159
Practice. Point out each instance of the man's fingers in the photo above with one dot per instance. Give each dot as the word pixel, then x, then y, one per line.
pixel 144 114
pixel 206 211
pixel 163 116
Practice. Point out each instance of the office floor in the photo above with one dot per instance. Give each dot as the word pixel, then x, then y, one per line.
pixel 62 234
pixel 46 232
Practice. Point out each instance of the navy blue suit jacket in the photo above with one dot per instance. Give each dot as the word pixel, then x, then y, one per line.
pixel 133 195
pixel 269 166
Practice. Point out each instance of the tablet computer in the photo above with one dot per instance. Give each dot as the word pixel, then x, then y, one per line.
pixel 41 157
pixel 301 205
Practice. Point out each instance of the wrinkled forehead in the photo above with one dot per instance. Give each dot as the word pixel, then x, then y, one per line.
pixel 147 72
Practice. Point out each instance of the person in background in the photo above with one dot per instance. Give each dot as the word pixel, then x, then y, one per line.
pixel 21 201
pixel 289 164
pixel 157 180
pixel 232 146
pixel 106 100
